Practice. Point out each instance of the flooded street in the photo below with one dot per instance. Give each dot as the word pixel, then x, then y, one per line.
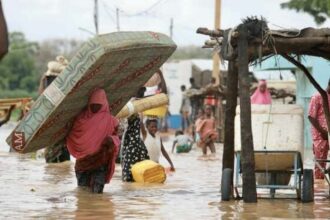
pixel 33 189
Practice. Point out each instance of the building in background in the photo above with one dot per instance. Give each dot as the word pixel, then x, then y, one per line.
pixel 177 73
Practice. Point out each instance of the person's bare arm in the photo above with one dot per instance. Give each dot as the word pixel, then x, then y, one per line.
pixel 174 143
pixel 317 126
pixel 42 84
pixel 200 125
pixel 21 115
pixel 165 154
pixel 214 125
pixel 162 82
pixel 4 44
pixel 8 115
pixel 143 128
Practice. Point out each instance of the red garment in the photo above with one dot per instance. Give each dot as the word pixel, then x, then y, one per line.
pixel 211 100
pixel 89 131
pixel 320 146
pixel 206 128
pixel 94 161
pixel 320 151
pixel 259 97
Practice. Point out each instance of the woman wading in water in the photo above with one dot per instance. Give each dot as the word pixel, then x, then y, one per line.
pixel 93 141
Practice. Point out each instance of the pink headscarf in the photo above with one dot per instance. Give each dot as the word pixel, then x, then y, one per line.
pixel 263 98
pixel 89 129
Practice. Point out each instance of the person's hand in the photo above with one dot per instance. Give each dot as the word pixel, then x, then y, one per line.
pixel 107 141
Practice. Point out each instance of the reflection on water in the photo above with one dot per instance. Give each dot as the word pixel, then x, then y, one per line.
pixel 31 188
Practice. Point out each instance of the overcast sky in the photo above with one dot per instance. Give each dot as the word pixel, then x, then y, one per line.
pixel 44 19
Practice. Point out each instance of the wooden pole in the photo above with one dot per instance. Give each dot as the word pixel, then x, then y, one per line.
pixel 117 19
pixel 171 28
pixel 216 74
pixel 96 17
pixel 216 59
pixel 247 151
pixel 230 112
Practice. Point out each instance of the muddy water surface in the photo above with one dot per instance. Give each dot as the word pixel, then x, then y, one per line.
pixel 30 188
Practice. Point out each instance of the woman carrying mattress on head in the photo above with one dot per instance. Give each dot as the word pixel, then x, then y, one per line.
pixel 93 141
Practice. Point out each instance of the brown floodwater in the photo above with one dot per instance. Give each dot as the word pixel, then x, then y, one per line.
pixel 30 188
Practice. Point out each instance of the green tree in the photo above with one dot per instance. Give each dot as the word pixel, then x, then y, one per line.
pixel 319 9
pixel 21 69
pixel 18 67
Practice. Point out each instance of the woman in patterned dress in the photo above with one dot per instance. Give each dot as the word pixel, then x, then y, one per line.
pixel 133 148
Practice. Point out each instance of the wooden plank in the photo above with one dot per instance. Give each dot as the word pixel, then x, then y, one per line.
pixel 248 166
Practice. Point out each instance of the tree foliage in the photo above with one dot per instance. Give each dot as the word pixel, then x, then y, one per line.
pixel 319 9
pixel 17 69
pixel 23 66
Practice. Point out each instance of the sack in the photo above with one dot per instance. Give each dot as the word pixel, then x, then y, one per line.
pixel 148 171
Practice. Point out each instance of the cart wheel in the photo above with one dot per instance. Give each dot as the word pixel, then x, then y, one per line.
pixel 226 184
pixel 307 186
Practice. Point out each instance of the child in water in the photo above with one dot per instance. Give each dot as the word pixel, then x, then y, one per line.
pixel 182 142
pixel 153 141
pixel 206 130
pixel 200 117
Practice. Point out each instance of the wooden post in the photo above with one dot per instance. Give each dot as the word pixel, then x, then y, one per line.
pixel 216 73
pixel 117 19
pixel 216 59
pixel 230 112
pixel 96 17
pixel 247 151
pixel 171 28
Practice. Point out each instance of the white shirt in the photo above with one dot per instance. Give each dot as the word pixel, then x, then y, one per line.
pixel 153 145
pixel 182 139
